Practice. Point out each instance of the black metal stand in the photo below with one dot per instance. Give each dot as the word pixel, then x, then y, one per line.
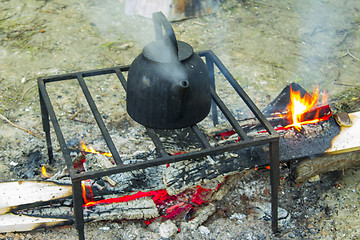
pixel 211 59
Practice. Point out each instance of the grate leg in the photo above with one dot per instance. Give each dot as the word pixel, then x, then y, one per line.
pixel 274 182
pixel 46 127
pixel 78 209
pixel 214 113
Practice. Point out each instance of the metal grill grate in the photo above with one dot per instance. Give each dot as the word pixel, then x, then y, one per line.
pixel 48 114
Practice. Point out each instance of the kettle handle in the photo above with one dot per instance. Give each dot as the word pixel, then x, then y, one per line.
pixel 160 21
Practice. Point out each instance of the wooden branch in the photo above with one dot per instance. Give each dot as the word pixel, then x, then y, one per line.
pixel 75 114
pixel 14 125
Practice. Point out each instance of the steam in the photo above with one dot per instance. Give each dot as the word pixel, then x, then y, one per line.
pixel 116 21
pixel 143 8
pixel 110 20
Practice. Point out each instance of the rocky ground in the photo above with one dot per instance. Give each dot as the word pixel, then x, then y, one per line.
pixel 265 45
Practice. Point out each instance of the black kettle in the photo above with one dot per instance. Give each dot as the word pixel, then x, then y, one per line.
pixel 168 83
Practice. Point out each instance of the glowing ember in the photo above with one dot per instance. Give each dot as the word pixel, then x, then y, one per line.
pixel 169 206
pixel 92 150
pixel 87 191
pixel 266 167
pixel 44 173
pixel 200 195
pixel 299 105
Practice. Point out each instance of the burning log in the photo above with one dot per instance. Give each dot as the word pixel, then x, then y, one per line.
pixel 140 205
pixel 329 143
pixel 179 176
pixel 51 216
pixel 344 152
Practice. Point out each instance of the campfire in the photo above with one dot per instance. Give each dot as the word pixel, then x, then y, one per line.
pixel 179 175
pixel 176 200
pixel 300 106
pixel 196 154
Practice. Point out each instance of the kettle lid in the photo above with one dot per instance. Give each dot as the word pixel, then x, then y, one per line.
pixel 161 51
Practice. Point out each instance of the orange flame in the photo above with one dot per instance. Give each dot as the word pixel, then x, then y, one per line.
pixel 87 193
pixel 44 173
pixel 92 150
pixel 299 105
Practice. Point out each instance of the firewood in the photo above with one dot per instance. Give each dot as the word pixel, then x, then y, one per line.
pixel 15 223
pixel 51 216
pixel 99 161
pixel 332 162
pixel 349 137
pixel 201 216
pixel 344 152
pixel 335 147
pixel 13 195
pixel 182 175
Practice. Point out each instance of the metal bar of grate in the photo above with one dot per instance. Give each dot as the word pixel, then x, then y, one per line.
pixel 242 94
pixel 99 120
pixel 200 136
pixel 156 140
pixel 121 78
pixel 78 208
pixel 89 73
pixel 228 115
pixel 274 182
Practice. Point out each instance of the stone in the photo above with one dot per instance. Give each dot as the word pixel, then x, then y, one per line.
pixel 315 178
pixel 343 119
pixel 204 230
pixel 238 216
pixel 167 229
pixel 263 211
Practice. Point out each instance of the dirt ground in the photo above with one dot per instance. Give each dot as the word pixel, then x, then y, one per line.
pixel 265 45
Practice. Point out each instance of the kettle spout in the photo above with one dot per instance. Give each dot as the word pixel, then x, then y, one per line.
pixel 180 87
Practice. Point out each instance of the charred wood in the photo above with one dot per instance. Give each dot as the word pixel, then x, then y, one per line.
pixel 51 216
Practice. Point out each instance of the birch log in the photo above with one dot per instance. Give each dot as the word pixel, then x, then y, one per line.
pixel 344 153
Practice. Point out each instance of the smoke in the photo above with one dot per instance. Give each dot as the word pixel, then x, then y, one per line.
pixel 320 28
